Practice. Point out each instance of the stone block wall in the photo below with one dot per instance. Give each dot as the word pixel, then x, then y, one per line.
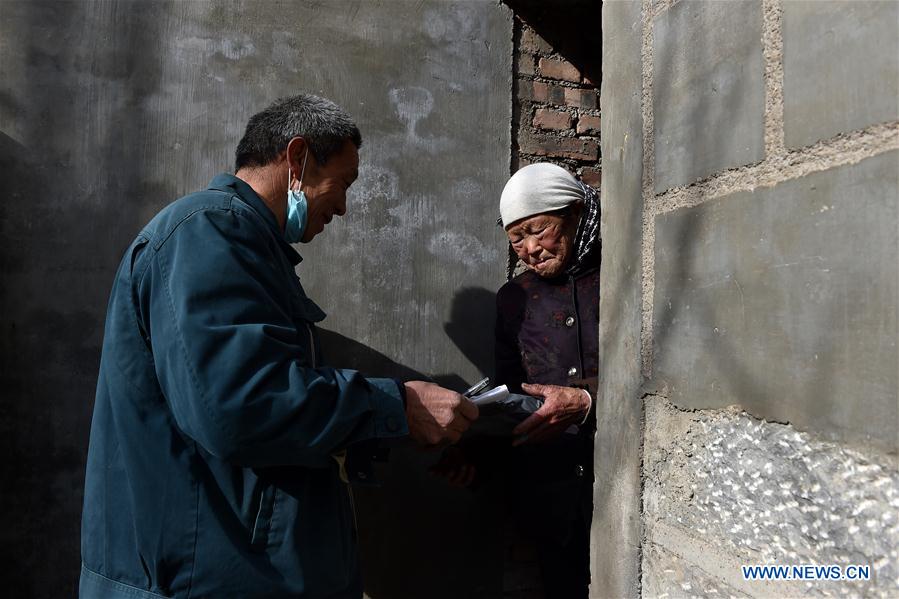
pixel 750 402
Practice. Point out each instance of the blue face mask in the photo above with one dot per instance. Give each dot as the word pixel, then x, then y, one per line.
pixel 296 208
pixel 296 216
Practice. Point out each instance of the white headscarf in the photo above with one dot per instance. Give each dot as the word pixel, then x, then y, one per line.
pixel 535 189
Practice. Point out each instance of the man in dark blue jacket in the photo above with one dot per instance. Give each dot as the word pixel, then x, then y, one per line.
pixel 218 434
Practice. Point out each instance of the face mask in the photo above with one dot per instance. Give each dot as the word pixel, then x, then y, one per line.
pixel 296 207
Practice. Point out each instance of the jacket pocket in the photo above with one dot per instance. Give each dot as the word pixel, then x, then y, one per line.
pixel 263 524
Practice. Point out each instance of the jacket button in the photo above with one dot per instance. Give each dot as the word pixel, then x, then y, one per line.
pixel 579 470
pixel 572 371
pixel 569 322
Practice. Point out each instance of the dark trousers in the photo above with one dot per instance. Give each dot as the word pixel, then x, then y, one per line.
pixel 551 488
pixel 565 566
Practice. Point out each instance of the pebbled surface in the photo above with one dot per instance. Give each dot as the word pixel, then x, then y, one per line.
pixel 722 489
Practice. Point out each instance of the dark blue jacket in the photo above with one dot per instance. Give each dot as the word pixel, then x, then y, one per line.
pixel 211 469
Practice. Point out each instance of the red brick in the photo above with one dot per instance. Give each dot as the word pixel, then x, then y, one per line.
pixel 548 93
pixel 525 89
pixel 592 176
pixel 588 125
pixel 545 118
pixel 526 64
pixel 565 147
pixel 559 69
pixel 580 98
pixel 532 42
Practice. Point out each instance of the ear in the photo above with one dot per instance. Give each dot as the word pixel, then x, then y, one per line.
pixel 296 152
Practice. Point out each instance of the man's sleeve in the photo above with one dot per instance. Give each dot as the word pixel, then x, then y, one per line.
pixel 231 363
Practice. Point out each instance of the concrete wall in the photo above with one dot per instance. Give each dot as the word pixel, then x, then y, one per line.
pixel 767 320
pixel 108 111
pixel 615 533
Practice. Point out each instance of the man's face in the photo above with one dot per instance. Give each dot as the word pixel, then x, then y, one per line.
pixel 325 187
pixel 544 242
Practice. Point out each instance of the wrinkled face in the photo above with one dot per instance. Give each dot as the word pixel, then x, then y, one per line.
pixel 545 242
pixel 325 187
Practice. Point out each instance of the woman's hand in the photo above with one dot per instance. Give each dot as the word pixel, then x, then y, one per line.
pixel 562 407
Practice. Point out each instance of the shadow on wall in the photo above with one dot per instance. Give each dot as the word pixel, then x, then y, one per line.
pixel 342 352
pixel 72 164
pixel 471 325
pixel 470 328
pixel 18 425
pixel 422 512
pixel 571 27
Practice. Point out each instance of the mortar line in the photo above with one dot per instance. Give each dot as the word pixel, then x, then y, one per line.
pixel 841 150
pixel 647 290
pixel 647 230
pixel 684 544
pixel 647 234
pixel 662 6
pixel 641 546
pixel 772 44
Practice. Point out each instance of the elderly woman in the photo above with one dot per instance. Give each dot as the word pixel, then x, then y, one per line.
pixel 547 329
pixel 547 317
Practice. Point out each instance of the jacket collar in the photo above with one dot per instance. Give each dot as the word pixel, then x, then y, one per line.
pixel 230 184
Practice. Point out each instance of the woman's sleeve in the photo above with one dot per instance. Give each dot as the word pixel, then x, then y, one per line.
pixel 509 370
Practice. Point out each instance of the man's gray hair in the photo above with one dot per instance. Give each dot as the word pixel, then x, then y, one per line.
pixel 322 123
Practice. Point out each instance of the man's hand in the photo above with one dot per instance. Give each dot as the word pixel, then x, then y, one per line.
pixel 437 415
pixel 562 407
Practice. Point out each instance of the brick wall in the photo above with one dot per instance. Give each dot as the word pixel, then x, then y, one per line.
pixel 556 106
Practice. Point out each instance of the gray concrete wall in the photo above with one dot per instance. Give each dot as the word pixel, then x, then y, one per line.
pixel 615 532
pixel 108 111
pixel 768 248
pixel 787 308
